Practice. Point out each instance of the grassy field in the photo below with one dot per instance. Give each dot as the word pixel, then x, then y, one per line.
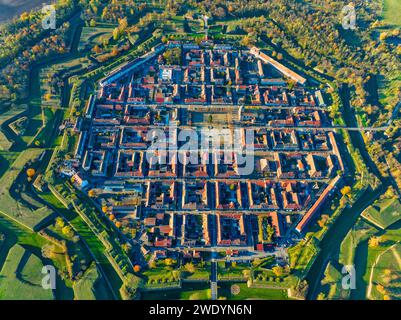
pixel 15 201
pixel 391 12
pixel 93 243
pixel 246 293
pixel 22 278
pixel 384 212
pixel 5 143
pixel 91 286
pixel 198 291
pixel 302 255
pixel 94 35
pixel 230 272
pixel 387 273
pixel 387 260
pixel 6 160
pixel 16 234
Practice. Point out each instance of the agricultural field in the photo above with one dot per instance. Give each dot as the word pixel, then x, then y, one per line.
pixel 22 277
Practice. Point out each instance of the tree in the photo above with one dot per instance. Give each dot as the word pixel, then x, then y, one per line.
pixel 67 230
pixel 48 251
pixel 346 191
pixel 91 193
pixel 169 261
pixel 190 267
pixel 116 34
pixel 278 271
pixel 374 242
pixel 60 222
pixel 381 289
pixel 30 172
pixel 137 268
pixel 270 233
pixel 114 52
pixel 96 49
pixel 92 23
pixel 105 209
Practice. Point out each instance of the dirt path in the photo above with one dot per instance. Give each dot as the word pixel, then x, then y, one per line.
pixel 397 256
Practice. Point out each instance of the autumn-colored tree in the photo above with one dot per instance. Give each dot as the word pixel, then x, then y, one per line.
pixel 346 190
pixel 104 209
pixel 114 52
pixel 278 271
pixel 60 222
pixel 30 172
pixel 48 251
pixel 189 267
pixel 97 49
pixel 381 289
pixel 66 230
pixel 137 268
pixel 91 193
pixel 374 242
pixel 118 224
pixel 169 262
pixel 116 34
pixel 112 217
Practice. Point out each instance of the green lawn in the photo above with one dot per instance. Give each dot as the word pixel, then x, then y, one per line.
pixel 15 199
pixel 246 293
pixel 161 277
pixel 91 286
pixel 5 143
pixel 85 233
pixel 232 272
pixel 91 36
pixel 383 212
pixel 391 12
pixel 6 159
pixel 21 277
pixel 302 255
pixel 194 291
